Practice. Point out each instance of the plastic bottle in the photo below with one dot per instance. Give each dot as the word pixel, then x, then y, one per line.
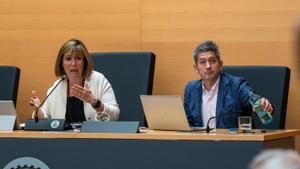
pixel 265 117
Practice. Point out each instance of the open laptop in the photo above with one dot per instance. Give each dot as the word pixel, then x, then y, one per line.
pixel 8 116
pixel 165 112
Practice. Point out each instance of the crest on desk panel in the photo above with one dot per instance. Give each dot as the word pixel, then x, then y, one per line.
pixel 26 163
pixel 54 124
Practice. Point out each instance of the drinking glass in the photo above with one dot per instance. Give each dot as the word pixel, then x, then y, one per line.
pixel 76 126
pixel 245 124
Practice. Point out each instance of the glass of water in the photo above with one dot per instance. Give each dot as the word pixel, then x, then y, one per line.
pixel 245 124
pixel 76 126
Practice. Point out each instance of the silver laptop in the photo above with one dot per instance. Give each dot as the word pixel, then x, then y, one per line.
pixel 8 116
pixel 166 113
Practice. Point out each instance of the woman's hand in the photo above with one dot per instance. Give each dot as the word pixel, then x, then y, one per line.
pixel 83 93
pixel 35 103
pixel 86 95
pixel 34 100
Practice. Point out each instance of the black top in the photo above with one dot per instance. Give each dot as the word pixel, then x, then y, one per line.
pixel 75 111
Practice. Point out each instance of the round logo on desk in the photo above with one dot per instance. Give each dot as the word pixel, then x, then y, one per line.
pixel 54 124
pixel 26 162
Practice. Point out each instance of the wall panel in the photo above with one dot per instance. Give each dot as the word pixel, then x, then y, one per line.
pixel 32 31
pixel 256 32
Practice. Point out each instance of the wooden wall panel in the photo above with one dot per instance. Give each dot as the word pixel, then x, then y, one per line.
pixel 256 32
pixel 177 6
pixel 68 7
pixel 32 31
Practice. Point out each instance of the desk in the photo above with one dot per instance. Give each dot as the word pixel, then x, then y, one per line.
pixel 151 150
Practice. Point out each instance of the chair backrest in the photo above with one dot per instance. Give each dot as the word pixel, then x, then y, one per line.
pixel 9 83
pixel 271 82
pixel 130 74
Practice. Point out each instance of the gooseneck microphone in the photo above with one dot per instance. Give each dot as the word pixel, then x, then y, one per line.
pixel 36 118
pixel 219 116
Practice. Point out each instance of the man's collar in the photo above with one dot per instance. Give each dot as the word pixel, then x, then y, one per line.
pixel 214 87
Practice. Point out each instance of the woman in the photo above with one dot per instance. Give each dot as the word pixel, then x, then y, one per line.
pixel 81 94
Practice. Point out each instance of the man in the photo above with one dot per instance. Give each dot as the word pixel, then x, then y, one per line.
pixel 217 93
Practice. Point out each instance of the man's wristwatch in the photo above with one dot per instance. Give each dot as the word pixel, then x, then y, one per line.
pixel 97 104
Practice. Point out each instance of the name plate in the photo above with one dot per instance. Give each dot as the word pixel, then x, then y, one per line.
pixel 45 125
pixel 110 127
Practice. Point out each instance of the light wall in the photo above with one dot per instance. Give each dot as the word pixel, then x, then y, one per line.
pixel 256 32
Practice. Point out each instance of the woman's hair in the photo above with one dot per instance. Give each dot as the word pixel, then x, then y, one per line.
pixel 74 45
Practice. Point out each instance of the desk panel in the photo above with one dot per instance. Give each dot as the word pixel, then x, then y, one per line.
pixel 110 152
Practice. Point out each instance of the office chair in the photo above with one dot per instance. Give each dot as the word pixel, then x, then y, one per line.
pixel 271 82
pixel 9 84
pixel 131 75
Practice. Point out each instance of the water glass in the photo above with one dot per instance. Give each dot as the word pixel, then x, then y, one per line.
pixel 76 126
pixel 245 124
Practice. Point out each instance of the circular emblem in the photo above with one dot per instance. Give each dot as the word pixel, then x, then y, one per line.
pixel 54 124
pixel 26 162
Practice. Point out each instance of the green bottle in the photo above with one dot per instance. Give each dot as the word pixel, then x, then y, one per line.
pixel 265 117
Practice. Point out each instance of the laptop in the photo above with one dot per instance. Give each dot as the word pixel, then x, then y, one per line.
pixel 8 116
pixel 166 112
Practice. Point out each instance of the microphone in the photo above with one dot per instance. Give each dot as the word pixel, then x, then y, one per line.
pixel 219 116
pixel 36 118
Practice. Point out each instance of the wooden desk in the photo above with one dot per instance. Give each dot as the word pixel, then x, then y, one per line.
pixel 153 150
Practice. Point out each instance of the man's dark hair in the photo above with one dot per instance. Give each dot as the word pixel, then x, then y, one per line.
pixel 206 46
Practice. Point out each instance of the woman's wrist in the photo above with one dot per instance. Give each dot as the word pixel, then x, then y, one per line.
pixel 96 104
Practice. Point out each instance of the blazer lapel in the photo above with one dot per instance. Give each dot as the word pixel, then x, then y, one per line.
pixel 222 92
pixel 199 102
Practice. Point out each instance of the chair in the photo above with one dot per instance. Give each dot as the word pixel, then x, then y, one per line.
pixel 9 84
pixel 271 82
pixel 130 74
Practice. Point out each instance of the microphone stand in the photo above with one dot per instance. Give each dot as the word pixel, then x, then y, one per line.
pixel 220 116
pixel 36 118
pixel 207 124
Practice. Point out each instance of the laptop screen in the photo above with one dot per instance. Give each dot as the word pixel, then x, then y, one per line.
pixel 165 112
pixel 8 116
